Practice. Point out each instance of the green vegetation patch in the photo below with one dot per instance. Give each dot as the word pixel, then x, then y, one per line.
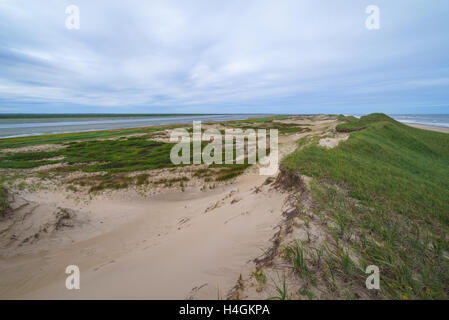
pixel 121 155
pixel 4 204
pixel 269 123
pixel 124 155
pixel 96 152
pixel 395 198
pixel 354 124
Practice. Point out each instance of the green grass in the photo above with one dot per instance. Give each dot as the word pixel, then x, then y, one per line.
pixel 142 179
pixel 403 168
pixel 393 195
pixel 109 181
pixel 112 159
pixel 260 276
pixel 122 155
pixel 295 253
pixel 4 204
pixel 282 291
pixel 354 124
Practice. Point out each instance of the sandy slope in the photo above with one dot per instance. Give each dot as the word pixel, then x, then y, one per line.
pixel 171 245
pixel 177 245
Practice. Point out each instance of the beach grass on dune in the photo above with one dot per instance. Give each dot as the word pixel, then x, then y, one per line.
pixel 387 189
pixel 3 199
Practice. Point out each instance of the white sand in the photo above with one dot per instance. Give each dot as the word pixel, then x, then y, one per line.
pixel 168 246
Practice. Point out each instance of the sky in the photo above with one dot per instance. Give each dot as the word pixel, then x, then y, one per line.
pixel 208 56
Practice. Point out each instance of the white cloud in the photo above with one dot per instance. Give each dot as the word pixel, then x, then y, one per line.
pixel 208 52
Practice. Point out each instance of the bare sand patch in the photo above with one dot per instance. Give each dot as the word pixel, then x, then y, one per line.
pixel 36 148
pixel 333 142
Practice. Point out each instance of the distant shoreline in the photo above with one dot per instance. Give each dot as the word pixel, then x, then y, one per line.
pixel 428 127
pixel 29 125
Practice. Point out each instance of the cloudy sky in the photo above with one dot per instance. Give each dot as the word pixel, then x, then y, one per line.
pixel 210 56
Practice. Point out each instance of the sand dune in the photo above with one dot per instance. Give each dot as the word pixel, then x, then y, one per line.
pixel 175 245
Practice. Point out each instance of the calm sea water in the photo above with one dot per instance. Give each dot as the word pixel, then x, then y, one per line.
pixel 437 120
pixel 39 126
